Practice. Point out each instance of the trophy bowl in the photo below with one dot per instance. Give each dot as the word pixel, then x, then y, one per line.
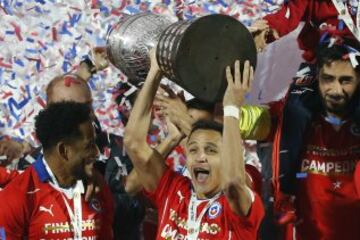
pixel 129 42
pixel 194 54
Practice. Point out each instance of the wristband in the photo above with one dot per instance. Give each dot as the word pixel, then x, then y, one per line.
pixel 232 111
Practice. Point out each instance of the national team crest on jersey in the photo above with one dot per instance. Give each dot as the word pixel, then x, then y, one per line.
pixel 355 130
pixel 95 204
pixel 214 210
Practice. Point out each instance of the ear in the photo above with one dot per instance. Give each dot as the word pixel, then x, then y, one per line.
pixel 62 150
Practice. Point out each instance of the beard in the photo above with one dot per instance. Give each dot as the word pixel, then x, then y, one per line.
pixel 340 105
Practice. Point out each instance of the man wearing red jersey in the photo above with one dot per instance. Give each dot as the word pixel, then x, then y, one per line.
pixel 216 203
pixel 326 203
pixel 47 200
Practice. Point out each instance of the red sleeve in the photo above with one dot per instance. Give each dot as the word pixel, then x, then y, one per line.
pixel 256 178
pixel 6 176
pixel 13 212
pixel 357 178
pixel 251 223
pixel 288 17
pixel 170 180
pixel 106 231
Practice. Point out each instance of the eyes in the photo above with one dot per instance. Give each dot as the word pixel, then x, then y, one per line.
pixel 209 150
pixel 342 80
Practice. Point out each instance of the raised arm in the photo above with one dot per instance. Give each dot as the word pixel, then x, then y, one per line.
pixel 233 168
pixel 133 184
pixel 148 163
pixel 280 23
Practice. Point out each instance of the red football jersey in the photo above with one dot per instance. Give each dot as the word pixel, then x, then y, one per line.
pixel 327 203
pixel 32 208
pixel 172 198
pixel 6 175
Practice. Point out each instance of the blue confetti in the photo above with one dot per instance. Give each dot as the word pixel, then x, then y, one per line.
pixel 88 31
pixel 65 66
pixel 132 9
pixel 40 1
pixel 74 19
pixel 64 30
pixel 29 39
pixel 222 3
pixel 22 132
pixel 12 103
pixel 105 10
pixel 19 62
pixel 38 66
pixel 341 24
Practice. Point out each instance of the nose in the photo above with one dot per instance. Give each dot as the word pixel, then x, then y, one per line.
pixel 336 89
pixel 201 157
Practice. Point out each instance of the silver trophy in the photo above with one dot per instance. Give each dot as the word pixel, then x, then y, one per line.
pixel 129 42
pixel 192 53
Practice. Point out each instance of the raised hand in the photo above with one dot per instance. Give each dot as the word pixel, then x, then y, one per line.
pixel 100 58
pixel 238 84
pixel 260 31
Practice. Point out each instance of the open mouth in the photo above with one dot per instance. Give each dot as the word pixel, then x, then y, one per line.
pixel 201 174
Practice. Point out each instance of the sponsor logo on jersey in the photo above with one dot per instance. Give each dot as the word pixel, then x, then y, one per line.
pixel 48 210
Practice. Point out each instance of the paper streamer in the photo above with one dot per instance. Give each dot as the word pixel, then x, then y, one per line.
pixel 41 39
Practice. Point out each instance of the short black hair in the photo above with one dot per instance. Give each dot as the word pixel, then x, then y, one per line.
pixel 196 103
pixel 60 122
pixel 206 125
pixel 326 54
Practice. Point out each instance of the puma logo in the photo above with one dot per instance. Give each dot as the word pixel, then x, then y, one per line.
pixel 48 210
pixel 181 197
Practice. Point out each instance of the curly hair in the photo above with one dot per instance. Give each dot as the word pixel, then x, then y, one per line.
pixel 326 54
pixel 60 122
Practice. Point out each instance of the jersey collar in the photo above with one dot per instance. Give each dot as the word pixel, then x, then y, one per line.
pixel 40 169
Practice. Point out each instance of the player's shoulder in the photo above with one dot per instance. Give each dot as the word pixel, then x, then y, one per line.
pixel 21 183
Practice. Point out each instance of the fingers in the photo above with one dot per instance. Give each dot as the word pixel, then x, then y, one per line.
pixel 251 77
pixel 237 81
pixel 246 75
pixel 168 90
pixel 240 80
pixel 181 95
pixel 229 77
pixel 259 25
pixel 89 191
pixel 275 34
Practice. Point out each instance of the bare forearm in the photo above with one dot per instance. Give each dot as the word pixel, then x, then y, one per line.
pixel 133 184
pixel 140 117
pixel 233 151
pixel 234 177
pixel 167 145
pixel 185 124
